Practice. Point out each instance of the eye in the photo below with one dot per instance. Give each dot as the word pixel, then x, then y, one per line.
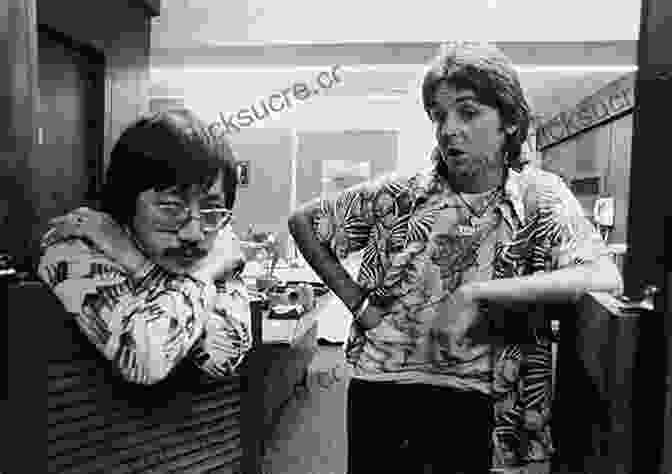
pixel 215 209
pixel 469 112
pixel 171 204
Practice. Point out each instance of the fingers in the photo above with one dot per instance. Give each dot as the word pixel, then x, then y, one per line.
pixel 61 229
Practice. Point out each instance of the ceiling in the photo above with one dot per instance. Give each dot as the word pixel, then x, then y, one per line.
pixel 218 22
pixel 558 65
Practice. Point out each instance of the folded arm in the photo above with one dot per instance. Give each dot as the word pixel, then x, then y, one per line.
pixel 144 325
pixel 560 285
pixel 565 253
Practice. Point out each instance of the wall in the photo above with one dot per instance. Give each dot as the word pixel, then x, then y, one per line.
pixel 379 148
pixel 121 31
pixel 264 204
pixel 318 123
pixel 603 152
pixel 268 200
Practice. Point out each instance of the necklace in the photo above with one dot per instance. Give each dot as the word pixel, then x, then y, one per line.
pixel 476 218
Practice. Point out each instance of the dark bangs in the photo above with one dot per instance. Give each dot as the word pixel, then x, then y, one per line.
pixel 164 150
pixel 466 77
pixel 492 90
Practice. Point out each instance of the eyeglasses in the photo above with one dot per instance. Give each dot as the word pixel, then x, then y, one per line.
pixel 173 217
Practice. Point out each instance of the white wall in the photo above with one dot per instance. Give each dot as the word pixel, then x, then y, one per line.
pixel 294 21
pixel 226 91
pixel 212 91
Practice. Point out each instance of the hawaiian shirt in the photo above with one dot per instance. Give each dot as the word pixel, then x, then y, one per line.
pixel 146 327
pixel 413 258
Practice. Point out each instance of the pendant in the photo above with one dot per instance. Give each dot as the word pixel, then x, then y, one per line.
pixel 465 230
pixel 478 221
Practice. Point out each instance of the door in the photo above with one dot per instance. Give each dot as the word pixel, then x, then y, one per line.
pixel 68 160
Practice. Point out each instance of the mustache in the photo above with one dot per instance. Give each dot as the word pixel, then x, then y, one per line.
pixel 185 252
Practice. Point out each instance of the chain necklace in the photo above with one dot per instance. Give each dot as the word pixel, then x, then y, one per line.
pixel 476 218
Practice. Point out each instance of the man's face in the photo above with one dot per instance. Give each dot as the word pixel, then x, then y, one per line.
pixel 470 134
pixel 181 247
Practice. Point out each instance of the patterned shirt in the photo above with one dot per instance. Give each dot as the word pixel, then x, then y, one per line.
pixel 413 258
pixel 146 327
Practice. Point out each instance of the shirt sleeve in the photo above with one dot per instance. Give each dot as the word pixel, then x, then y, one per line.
pixel 227 338
pixel 144 327
pixel 563 235
pixel 344 221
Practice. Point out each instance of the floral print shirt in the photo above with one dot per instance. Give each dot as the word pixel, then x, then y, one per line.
pixel 145 328
pixel 413 257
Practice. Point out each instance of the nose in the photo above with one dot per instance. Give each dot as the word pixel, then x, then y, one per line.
pixel 191 231
pixel 450 127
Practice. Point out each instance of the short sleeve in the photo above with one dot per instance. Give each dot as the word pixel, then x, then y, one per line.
pixel 563 234
pixel 344 221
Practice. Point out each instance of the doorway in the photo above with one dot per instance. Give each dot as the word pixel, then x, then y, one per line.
pixel 68 159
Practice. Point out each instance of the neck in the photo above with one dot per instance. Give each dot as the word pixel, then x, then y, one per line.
pixel 479 183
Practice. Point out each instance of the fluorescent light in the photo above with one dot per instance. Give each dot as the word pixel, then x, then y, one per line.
pixel 525 68
pixel 401 68
pixel 383 98
pixel 237 68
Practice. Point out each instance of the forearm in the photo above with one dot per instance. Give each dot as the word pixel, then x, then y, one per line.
pixel 562 285
pixel 152 328
pixel 143 326
pixel 226 342
pixel 324 262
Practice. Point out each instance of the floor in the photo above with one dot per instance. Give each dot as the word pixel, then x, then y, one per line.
pixel 310 438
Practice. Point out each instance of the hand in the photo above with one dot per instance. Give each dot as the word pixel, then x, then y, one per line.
pixel 225 257
pixel 456 317
pixel 101 230
pixel 371 317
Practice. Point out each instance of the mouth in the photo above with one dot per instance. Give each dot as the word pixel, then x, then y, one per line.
pixel 187 258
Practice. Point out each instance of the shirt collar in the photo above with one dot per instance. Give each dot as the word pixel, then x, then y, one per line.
pixel 429 183
pixel 513 192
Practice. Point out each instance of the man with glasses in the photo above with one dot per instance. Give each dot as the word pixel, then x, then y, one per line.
pixel 153 276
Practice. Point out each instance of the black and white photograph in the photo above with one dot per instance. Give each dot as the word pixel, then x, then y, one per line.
pixel 287 237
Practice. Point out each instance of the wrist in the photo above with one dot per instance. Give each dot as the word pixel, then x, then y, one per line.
pixel 142 268
pixel 361 308
pixel 472 291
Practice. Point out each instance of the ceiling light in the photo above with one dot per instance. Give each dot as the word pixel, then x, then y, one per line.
pixel 527 68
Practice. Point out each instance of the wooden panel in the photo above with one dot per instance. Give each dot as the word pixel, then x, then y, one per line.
pixel 66 165
pixel 96 422
pixel 189 423
pixel 648 261
pixel 120 30
pixel 615 98
pixel 666 464
pixel 18 108
pixel 601 393
pixel 617 183
pixel 18 94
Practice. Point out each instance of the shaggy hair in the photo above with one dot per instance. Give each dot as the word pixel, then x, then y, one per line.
pixel 489 73
pixel 172 148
